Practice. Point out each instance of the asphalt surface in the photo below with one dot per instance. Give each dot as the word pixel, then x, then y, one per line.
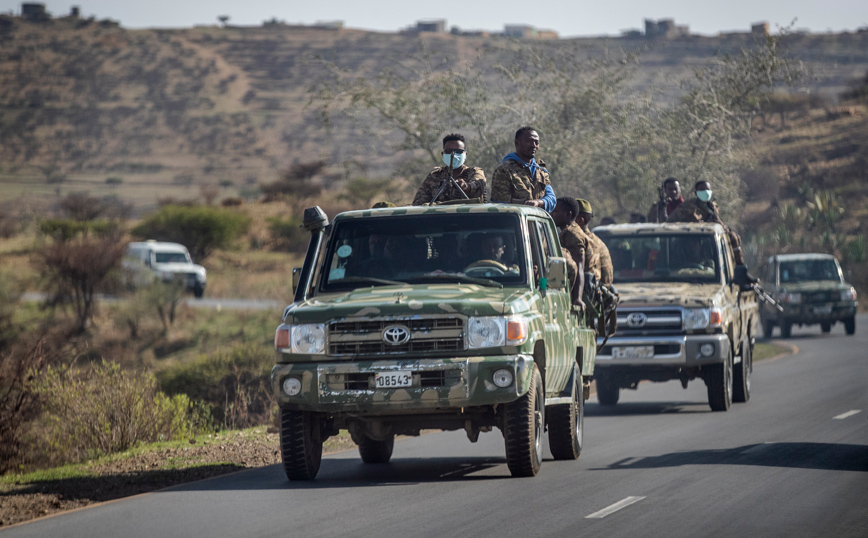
pixel 793 461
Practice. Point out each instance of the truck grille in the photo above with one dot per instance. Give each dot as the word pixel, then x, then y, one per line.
pixel 366 380
pixel 816 297
pixel 649 321
pixel 365 337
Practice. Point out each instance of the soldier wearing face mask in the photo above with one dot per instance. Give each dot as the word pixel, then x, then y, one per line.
pixel 469 179
pixel 703 209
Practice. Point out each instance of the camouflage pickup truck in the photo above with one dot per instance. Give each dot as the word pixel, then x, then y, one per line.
pixel 686 312
pixel 449 317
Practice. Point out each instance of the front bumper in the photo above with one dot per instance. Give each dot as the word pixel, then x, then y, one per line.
pixel 438 384
pixel 678 351
pixel 817 313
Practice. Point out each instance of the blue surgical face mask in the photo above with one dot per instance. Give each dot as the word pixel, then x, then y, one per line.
pixel 704 195
pixel 456 158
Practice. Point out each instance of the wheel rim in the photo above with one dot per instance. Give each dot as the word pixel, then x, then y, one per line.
pixel 580 411
pixel 538 419
pixel 728 378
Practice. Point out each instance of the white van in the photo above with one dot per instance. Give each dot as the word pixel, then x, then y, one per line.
pixel 149 260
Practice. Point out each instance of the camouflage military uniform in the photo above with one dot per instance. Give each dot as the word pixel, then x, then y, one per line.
pixel 607 271
pixel 512 182
pixel 576 242
pixel 474 176
pixel 695 210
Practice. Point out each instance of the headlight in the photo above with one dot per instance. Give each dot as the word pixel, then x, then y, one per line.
pixel 702 318
pixel 849 295
pixel 308 338
pixel 494 331
pixel 792 298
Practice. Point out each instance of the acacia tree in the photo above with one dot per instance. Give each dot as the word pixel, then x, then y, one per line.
pixel 599 139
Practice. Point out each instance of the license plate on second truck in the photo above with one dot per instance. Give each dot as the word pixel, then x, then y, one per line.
pixel 394 380
pixel 633 352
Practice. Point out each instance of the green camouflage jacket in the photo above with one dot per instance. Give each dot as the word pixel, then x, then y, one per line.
pixel 474 177
pixel 512 183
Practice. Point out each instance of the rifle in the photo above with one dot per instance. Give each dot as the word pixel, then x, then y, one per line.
pixel 661 202
pixel 449 180
pixel 765 297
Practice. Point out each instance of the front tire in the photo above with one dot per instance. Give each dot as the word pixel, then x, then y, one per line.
pixel 566 425
pixel 741 374
pixel 373 451
pixel 608 391
pixel 826 326
pixel 850 325
pixel 300 444
pixel 768 327
pixel 523 429
pixel 718 379
pixel 786 329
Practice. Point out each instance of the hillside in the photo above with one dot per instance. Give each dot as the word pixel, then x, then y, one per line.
pixel 162 111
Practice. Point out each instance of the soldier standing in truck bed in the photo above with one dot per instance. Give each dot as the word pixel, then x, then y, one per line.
pixel 702 208
pixel 671 199
pixel 522 179
pixel 575 243
pixel 469 179
pixel 601 263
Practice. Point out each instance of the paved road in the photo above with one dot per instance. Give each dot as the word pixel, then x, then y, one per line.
pixel 791 462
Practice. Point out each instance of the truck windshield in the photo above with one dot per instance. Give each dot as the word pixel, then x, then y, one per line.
pixel 475 248
pixel 807 270
pixel 171 257
pixel 664 258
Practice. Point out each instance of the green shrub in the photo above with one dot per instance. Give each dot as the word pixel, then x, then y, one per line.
pixel 233 383
pixel 856 250
pixel 287 234
pixel 200 229
pixel 104 409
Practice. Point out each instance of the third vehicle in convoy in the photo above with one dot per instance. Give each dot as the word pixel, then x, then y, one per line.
pixel 811 289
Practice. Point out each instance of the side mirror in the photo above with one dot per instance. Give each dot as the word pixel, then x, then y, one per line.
pixel 296 276
pixel 741 278
pixel 557 273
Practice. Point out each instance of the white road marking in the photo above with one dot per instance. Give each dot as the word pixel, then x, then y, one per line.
pixel 847 414
pixel 614 508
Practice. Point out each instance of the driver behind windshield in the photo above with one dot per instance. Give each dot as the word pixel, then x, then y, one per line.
pixel 490 253
pixel 692 258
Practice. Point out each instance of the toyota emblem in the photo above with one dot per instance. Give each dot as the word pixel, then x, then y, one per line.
pixel 636 320
pixel 396 335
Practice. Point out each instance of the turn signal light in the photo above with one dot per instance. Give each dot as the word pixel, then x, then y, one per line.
pixel 715 318
pixel 516 331
pixel 281 337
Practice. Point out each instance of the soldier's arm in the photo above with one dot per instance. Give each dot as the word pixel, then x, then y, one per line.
pixel 426 190
pixel 607 270
pixel 654 213
pixel 476 183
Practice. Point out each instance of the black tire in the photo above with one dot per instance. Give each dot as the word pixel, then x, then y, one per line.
pixel 741 374
pixel 608 391
pixel 524 424
pixel 198 292
pixel 768 327
pixel 786 329
pixel 566 425
pixel 850 325
pixel 300 447
pixel 825 326
pixel 373 451
pixel 718 379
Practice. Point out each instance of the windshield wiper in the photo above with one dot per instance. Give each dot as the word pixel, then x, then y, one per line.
pixel 459 278
pixel 368 280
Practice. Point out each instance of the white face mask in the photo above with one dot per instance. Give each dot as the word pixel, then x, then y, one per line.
pixel 456 158
pixel 704 195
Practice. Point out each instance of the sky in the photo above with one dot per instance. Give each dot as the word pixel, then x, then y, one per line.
pixel 570 18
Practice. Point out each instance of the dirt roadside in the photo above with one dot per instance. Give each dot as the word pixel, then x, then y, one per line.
pixel 222 454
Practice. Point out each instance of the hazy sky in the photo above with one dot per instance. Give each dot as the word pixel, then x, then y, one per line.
pixel 567 17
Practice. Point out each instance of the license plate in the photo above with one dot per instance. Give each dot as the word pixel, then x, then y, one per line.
pixel 633 352
pixel 822 310
pixel 394 380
